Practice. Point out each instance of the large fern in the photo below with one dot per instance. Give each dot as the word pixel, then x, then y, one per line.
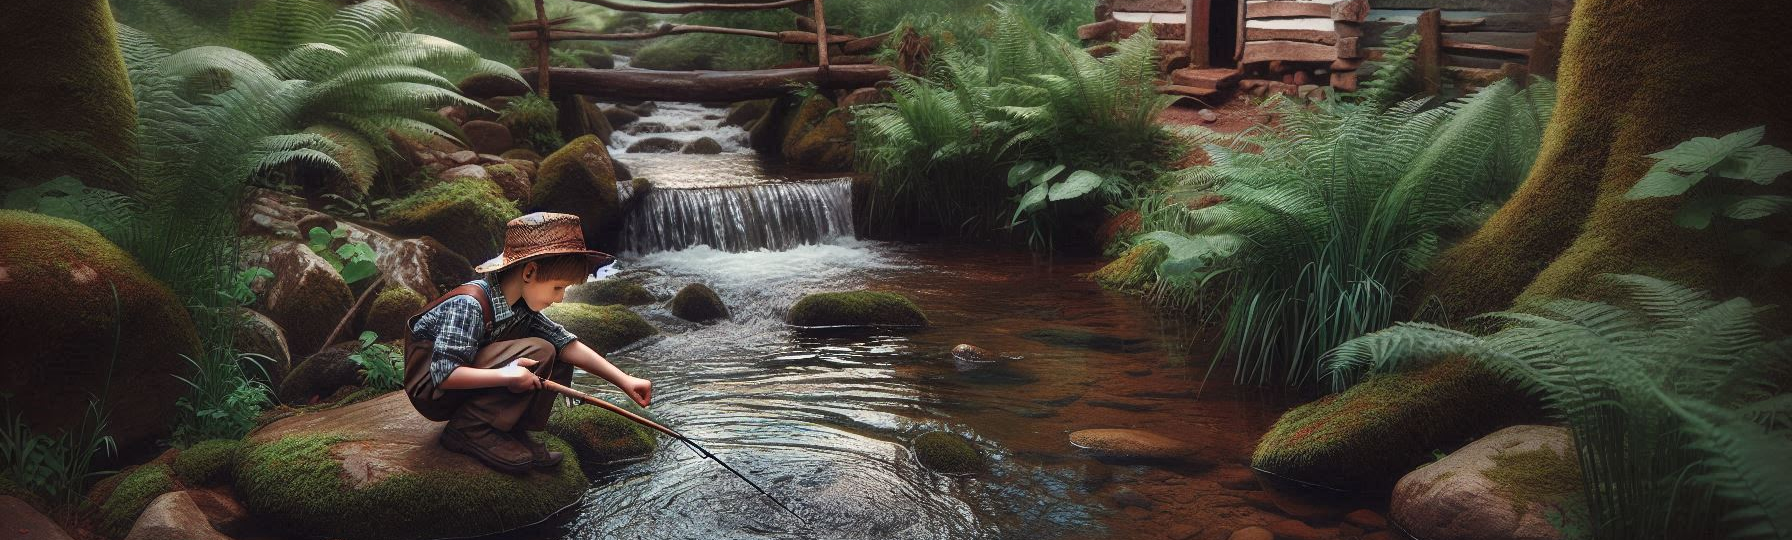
pixel 1679 403
pixel 1330 213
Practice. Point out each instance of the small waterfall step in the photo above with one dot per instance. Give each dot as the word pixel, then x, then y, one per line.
pixel 771 216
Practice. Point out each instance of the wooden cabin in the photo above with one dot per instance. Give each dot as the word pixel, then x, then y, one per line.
pixel 1211 46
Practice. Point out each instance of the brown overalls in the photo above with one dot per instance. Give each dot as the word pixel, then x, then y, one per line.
pixel 497 407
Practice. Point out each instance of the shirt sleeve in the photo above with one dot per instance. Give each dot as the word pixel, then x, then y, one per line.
pixel 549 330
pixel 454 325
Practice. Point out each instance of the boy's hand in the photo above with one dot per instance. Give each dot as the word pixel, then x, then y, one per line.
pixel 638 389
pixel 517 376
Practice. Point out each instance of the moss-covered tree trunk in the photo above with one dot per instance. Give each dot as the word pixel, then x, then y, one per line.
pixel 67 92
pixel 1636 77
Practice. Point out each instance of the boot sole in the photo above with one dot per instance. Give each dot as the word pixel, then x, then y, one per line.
pixel 451 440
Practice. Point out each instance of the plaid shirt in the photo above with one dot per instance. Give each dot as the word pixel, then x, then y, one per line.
pixel 458 328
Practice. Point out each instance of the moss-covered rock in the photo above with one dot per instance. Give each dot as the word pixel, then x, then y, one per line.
pixel 697 302
pixel 1133 270
pixel 60 347
pixel 403 485
pixel 534 123
pixel 207 462
pixel 746 112
pixel 948 453
pixel 306 296
pixel 1368 436
pixel 805 117
pixel 321 375
pixel 580 179
pixel 578 117
pixel 819 137
pixel 261 335
pixel 604 328
pixel 467 216
pixel 655 145
pixel 601 437
pixel 140 486
pixel 390 310
pixel 855 308
pixel 767 134
pixel 522 154
pixel 77 98
pixel 610 292
pixel 704 145
pixel 1519 482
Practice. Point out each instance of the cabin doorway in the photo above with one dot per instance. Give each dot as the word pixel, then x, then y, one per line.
pixel 1222 32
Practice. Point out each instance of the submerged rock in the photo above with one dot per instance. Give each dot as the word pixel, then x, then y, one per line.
pixel 655 145
pixel 698 303
pixel 374 470
pixel 704 145
pixel 603 328
pixel 601 437
pixel 56 282
pixel 1515 483
pixel 948 453
pixel 1083 339
pixel 855 308
pixel 1130 444
pixel 1368 436
pixel 611 291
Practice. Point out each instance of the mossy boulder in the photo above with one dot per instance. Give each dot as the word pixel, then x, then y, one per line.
pixel 488 137
pixel 321 375
pixel 619 117
pixel 579 117
pixel 580 179
pixel 948 453
pixel 77 99
pixel 603 328
pixel 856 308
pixel 746 112
pixel 207 463
pixel 1368 436
pixel 610 292
pixel 767 134
pixel 1519 482
pixel 374 470
pixel 825 145
pixel 306 296
pixel 704 145
pixel 134 493
pixel 655 145
pixel 807 114
pixel 60 348
pixel 524 154
pixel 601 437
pixel 467 216
pixel 390 310
pixel 697 302
pixel 1133 270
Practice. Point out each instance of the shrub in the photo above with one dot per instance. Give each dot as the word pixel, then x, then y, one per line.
pixel 534 122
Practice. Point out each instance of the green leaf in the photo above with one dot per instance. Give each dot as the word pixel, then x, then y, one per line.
pixel 1662 183
pixel 1076 185
pixel 1697 211
pixel 1048 175
pixel 1028 202
pixel 1758 164
pixel 1188 256
pixel 1023 171
pixel 368 337
pixel 320 238
pixel 358 270
pixel 1757 207
pixel 68 185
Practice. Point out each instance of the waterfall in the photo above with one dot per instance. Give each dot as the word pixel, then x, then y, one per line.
pixel 775 216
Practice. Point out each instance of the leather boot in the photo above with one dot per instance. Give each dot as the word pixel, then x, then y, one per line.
pixel 496 449
pixel 544 458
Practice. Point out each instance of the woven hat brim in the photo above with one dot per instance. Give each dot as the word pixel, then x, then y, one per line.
pixel 498 263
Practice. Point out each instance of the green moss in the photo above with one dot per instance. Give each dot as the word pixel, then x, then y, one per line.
pixel 828 146
pixel 296 485
pixel 522 153
pixel 580 179
pixel 610 292
pixel 207 462
pixel 697 302
pixel 1133 270
pixel 133 494
pixel 394 305
pixel 604 328
pixel 601 437
pixel 76 100
pixel 948 453
pixel 1370 435
pixel 467 216
pixel 534 122
pixel 808 115
pixel 511 180
pixel 855 308
pixel 1536 476
pixel 67 344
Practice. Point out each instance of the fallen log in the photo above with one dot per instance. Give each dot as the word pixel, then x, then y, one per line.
pixel 792 37
pixel 705 86
pixel 676 8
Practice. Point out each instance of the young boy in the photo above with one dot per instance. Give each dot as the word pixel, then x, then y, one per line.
pixel 475 357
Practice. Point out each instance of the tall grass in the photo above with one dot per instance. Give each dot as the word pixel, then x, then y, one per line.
pixel 941 149
pixel 1326 217
pixel 1680 405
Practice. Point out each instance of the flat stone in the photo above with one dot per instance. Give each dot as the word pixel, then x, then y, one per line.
pixel 1454 497
pixel 1367 519
pixel 25 523
pixel 1252 533
pixel 1294 529
pixel 1238 478
pixel 464 157
pixel 1129 444
pixel 466 171
pixel 173 516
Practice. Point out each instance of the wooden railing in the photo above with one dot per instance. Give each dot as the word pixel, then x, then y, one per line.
pixel 541 32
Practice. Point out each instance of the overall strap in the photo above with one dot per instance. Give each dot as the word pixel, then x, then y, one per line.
pixel 471 289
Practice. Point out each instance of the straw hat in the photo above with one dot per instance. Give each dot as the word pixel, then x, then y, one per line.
pixel 541 234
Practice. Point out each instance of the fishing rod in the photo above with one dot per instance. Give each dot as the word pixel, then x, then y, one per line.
pixel 587 398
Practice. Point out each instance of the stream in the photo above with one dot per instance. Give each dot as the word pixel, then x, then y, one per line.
pixel 824 422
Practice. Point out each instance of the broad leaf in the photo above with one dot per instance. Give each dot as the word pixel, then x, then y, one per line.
pixel 358 270
pixel 1048 175
pixel 1757 207
pixel 1023 171
pixel 319 237
pixel 1076 185
pixel 1696 212
pixel 1032 199
pixel 1758 164
pixel 1661 182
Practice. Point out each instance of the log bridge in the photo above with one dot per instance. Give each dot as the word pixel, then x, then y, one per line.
pixel 850 69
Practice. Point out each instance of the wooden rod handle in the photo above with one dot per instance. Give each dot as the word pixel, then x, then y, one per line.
pixel 587 398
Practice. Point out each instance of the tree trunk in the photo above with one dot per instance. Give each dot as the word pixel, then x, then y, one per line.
pixel 69 93
pixel 1636 77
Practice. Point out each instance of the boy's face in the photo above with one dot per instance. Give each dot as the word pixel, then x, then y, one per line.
pixel 541 293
